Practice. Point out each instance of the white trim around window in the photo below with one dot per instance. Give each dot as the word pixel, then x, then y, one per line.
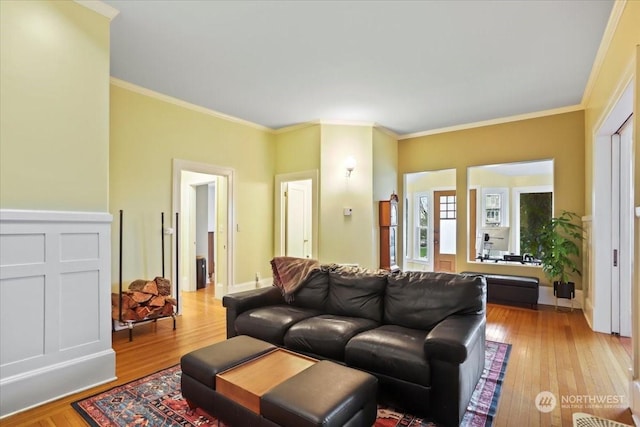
pixel 415 227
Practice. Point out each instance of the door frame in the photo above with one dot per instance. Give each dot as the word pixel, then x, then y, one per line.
pixel 436 215
pixel 303 217
pixel 613 118
pixel 180 166
pixel 279 226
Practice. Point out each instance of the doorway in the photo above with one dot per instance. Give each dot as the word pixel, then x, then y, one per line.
pixel 206 225
pixel 187 176
pixel 430 233
pixel 295 219
pixel 622 228
pixel 608 294
pixel 612 210
pixel 298 239
pixel 444 231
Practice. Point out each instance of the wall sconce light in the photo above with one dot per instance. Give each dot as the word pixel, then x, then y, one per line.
pixel 350 165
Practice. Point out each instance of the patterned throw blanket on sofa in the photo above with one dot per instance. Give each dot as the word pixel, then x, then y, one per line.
pixel 289 273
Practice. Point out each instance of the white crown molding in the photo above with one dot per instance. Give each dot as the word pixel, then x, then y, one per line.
pixel 359 123
pixel 501 120
pixel 346 123
pixel 626 79
pixel 99 7
pixel 612 25
pixel 184 104
pixel 297 126
pixel 166 98
pixel 387 131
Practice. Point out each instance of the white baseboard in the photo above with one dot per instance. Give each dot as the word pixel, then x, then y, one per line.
pixel 545 297
pixel 245 286
pixel 30 389
pixel 218 291
pixel 635 402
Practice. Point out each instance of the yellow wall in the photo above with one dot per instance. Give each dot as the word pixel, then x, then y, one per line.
pixel 559 137
pixel 325 147
pixel 385 165
pixel 617 69
pixel 432 179
pixel 346 239
pixel 54 106
pixel 486 178
pixel 298 150
pixel 385 179
pixel 146 135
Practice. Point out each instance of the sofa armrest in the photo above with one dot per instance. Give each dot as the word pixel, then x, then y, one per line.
pixel 243 301
pixel 453 338
pixel 240 302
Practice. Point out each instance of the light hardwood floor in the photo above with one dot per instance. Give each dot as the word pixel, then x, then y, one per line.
pixel 551 350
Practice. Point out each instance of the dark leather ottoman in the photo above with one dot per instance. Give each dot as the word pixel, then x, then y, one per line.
pixel 199 368
pixel 326 394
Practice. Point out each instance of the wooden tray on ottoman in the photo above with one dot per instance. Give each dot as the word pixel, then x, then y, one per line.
pixel 246 383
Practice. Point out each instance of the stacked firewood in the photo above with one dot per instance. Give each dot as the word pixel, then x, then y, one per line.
pixel 144 299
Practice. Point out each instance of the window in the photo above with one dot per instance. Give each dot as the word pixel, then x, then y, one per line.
pixel 492 209
pixel 447 225
pixel 421 216
pixel 534 207
pixel 516 195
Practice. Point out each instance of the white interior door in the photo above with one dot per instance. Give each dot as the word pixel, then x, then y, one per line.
pixel 298 223
pixel 622 229
pixel 186 174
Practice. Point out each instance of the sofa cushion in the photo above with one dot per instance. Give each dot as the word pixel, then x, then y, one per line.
pixel 270 323
pixel 325 335
pixel 314 292
pixel 356 292
pixel 391 350
pixel 420 300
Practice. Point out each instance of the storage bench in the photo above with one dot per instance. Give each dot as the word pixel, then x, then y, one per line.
pixel 511 289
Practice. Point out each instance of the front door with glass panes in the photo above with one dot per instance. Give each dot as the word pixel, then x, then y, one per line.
pixel 444 231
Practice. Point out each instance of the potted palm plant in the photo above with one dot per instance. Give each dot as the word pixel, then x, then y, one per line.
pixel 559 241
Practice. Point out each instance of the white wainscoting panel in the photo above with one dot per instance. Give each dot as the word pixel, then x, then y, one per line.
pixel 55 306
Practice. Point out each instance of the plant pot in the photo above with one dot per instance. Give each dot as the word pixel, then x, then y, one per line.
pixel 564 289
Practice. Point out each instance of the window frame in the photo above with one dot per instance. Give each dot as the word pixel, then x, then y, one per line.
pixel 416 227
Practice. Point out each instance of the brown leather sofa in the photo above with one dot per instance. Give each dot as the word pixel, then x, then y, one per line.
pixel 421 334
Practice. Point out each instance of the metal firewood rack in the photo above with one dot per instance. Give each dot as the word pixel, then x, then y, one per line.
pixel 129 324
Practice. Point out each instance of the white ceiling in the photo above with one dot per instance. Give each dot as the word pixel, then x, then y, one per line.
pixel 409 66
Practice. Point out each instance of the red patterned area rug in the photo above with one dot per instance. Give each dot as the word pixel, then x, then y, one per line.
pixel 155 401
